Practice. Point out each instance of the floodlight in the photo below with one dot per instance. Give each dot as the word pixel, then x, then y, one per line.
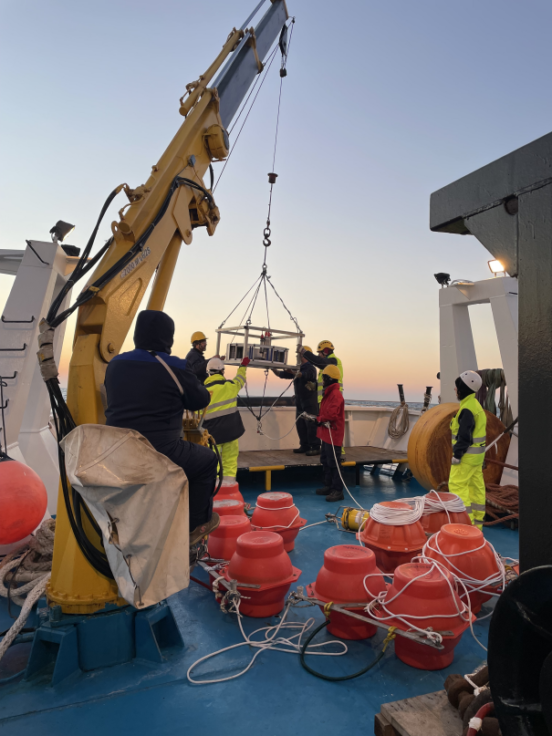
pixel 496 267
pixel 60 231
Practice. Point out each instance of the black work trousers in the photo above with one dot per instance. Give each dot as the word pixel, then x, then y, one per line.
pixel 307 432
pixel 332 478
pixel 200 465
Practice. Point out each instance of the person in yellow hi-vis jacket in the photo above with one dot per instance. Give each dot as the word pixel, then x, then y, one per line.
pixel 469 436
pixel 222 418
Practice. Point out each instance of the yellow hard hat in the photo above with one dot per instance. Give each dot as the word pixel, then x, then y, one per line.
pixel 306 347
pixel 332 371
pixel 323 345
pixel 198 337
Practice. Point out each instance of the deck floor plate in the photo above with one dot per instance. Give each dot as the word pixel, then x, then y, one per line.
pixel 277 696
pixel 425 715
pixel 359 455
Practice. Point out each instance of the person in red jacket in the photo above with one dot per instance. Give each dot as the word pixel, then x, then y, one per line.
pixel 331 429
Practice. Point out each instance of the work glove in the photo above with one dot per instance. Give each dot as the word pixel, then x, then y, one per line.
pixel 245 362
pixel 310 386
pixel 300 350
pixel 310 417
pixel 455 461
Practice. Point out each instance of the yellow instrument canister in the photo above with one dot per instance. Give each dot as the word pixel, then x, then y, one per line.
pixel 352 519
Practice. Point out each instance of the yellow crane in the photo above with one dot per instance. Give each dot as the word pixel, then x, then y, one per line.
pixel 146 241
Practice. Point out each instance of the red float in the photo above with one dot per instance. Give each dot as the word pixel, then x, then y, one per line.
pixel 230 489
pixel 464 551
pixel 276 512
pixel 431 523
pixel 23 501
pixel 260 559
pixel 430 600
pixel 341 580
pixel 393 545
pixel 228 506
pixel 223 541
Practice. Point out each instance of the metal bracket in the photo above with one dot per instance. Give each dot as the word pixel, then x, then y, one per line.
pixel 252 42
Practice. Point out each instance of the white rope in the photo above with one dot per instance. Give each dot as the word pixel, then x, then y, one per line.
pixel 32 566
pixel 277 526
pixel 339 469
pixel 271 642
pixel 399 422
pixel 276 439
pixel 463 611
pixel 433 504
pixel 470 583
pixel 393 516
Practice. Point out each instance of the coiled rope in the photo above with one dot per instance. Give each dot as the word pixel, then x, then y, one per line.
pixel 30 566
pixel 399 422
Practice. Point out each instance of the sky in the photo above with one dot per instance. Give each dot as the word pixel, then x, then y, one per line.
pixel 384 103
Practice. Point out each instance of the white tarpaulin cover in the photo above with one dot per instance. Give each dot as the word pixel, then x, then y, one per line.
pixel 139 499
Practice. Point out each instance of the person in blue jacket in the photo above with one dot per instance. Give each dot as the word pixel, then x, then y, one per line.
pixel 148 390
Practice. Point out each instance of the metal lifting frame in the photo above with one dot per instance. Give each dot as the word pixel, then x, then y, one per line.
pixel 247 331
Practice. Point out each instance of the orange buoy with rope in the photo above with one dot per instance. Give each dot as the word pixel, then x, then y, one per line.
pixel 23 501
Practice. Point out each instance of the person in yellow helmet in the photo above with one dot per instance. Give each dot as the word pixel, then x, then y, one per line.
pixel 196 361
pixel 304 384
pixel 469 438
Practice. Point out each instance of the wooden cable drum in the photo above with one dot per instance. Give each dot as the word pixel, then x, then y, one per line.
pixel 430 446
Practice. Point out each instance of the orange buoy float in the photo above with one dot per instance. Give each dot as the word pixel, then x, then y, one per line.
pixel 228 506
pixel 393 543
pixel 442 508
pixel 349 574
pixel 230 489
pixel 466 553
pixel 423 597
pixel 23 501
pixel 261 561
pixel 223 541
pixel 276 512
pixel 430 446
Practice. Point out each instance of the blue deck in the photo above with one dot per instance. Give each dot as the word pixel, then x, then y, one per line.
pixel 277 695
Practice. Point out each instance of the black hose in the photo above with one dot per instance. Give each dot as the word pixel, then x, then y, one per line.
pixel 328 677
pixel 220 471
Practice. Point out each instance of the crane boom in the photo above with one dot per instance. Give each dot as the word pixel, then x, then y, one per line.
pixel 147 238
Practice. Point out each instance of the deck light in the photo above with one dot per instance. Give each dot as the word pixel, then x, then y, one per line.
pixel 442 279
pixel 60 231
pixel 496 267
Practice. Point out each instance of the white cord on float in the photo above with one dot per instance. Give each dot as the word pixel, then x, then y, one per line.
pixel 277 526
pixel 434 504
pixel 270 642
pixel 471 584
pixel 391 515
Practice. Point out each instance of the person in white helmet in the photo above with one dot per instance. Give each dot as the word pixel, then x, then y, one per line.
pixel 222 418
pixel 469 438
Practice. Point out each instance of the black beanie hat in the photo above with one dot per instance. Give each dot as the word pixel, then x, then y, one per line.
pixel 463 389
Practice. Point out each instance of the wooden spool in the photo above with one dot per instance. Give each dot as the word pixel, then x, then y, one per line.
pixel 430 446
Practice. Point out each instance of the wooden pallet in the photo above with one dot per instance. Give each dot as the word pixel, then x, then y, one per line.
pixel 426 715
pixel 268 460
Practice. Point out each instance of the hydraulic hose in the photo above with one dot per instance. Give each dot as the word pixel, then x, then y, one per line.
pixel 328 677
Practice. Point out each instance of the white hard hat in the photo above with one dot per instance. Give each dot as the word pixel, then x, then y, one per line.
pixel 215 364
pixel 472 380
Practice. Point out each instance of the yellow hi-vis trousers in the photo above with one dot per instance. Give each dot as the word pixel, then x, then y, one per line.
pixel 467 482
pixel 229 455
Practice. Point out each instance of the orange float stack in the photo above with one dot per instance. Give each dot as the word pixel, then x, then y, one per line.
pixel 228 506
pixel 276 512
pixel 349 574
pixel 437 511
pixel 230 489
pixel 223 541
pixel 393 544
pixel 464 551
pixel 261 560
pixel 423 596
